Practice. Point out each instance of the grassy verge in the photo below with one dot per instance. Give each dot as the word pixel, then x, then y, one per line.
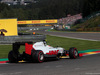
pixel 67 43
pixel 57 41
pixel 4 50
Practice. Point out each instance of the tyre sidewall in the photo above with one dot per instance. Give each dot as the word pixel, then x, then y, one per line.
pixel 11 57
pixel 36 56
pixel 72 53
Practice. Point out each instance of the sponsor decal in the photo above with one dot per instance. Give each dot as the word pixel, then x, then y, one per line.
pixel 53 52
pixel 37 21
pixel 21 22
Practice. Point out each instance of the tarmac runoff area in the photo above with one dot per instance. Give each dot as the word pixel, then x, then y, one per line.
pixel 81 54
pixel 91 36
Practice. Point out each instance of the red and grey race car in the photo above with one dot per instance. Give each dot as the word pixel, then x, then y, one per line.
pixel 38 51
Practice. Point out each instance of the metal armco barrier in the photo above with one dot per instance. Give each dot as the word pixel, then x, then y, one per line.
pixel 21 39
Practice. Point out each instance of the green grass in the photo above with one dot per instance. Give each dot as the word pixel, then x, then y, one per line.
pixel 57 41
pixel 67 43
pixel 4 50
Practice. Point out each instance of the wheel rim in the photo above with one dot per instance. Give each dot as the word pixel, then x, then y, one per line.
pixel 41 57
pixel 75 53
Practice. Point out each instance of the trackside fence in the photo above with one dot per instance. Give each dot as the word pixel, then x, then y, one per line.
pixel 21 39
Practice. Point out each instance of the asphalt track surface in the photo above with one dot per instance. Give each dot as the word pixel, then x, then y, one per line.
pixel 88 65
pixel 76 35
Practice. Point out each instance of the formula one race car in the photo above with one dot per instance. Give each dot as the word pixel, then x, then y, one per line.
pixel 38 51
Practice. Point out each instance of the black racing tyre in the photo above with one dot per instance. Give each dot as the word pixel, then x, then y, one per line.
pixel 58 56
pixel 11 57
pixel 38 56
pixel 73 53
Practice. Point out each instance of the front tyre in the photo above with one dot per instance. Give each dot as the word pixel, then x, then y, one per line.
pixel 73 53
pixel 38 56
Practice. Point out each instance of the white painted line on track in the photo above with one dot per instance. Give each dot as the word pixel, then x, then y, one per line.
pixel 75 38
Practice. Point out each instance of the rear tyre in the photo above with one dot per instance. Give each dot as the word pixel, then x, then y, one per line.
pixel 11 57
pixel 38 56
pixel 73 53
